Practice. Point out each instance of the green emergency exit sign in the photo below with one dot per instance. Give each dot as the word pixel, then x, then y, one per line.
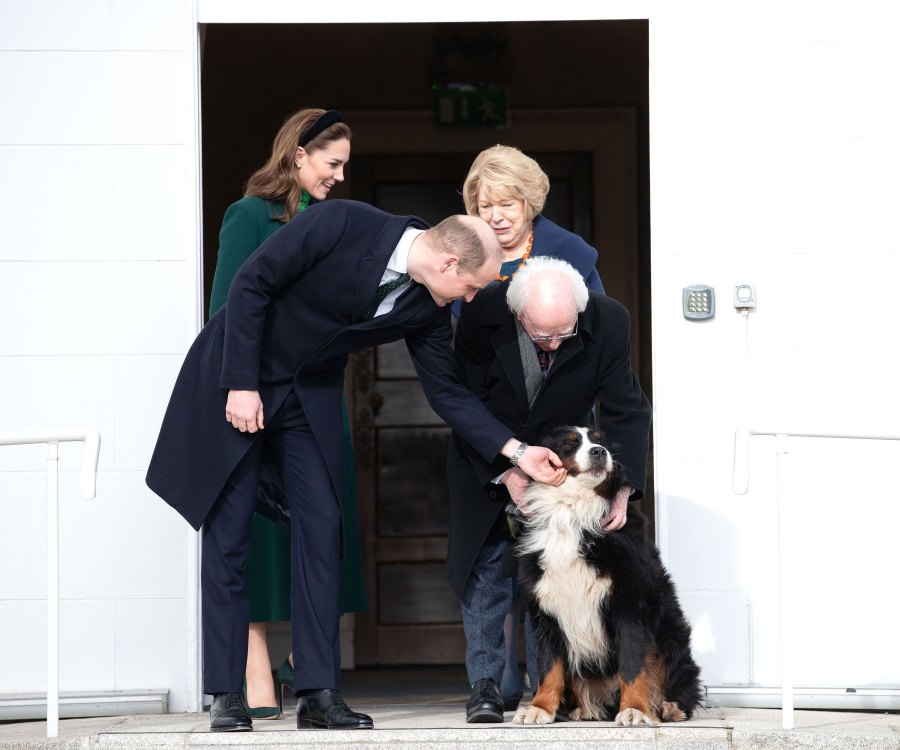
pixel 465 105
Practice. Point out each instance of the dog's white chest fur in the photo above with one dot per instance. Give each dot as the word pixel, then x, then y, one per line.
pixel 569 589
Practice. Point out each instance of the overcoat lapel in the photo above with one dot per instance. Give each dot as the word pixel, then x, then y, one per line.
pixel 569 349
pixel 371 268
pixel 506 344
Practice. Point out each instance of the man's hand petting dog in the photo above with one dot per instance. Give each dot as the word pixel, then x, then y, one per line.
pixel 541 464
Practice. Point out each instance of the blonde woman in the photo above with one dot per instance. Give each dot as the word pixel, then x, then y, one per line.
pixel 508 189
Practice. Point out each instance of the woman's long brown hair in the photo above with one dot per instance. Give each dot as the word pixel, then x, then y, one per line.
pixel 277 179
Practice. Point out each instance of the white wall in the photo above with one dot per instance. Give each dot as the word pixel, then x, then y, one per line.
pixel 98 303
pixel 774 162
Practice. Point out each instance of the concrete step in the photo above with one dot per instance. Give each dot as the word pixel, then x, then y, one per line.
pixel 417 727
pixel 442 727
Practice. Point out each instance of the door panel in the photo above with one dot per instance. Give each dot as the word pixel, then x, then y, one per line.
pixel 412 497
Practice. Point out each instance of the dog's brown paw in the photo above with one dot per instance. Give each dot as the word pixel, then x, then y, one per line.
pixel 631 717
pixel 532 715
pixel 671 712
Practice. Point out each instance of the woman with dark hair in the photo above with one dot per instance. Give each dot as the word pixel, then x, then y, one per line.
pixel 308 157
pixel 306 162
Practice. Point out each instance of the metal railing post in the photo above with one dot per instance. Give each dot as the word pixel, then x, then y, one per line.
pixel 52 589
pixel 784 588
pixel 53 437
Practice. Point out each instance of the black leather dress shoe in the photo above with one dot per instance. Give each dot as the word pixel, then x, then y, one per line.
pixel 486 704
pixel 229 713
pixel 325 709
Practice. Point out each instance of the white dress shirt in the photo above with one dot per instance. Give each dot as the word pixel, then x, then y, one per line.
pixel 398 263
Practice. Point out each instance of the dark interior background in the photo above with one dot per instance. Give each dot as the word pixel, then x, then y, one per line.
pixel 255 75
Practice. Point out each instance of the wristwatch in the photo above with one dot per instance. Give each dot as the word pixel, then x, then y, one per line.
pixel 519 452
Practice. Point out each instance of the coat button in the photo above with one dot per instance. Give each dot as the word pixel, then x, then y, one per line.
pixel 492 494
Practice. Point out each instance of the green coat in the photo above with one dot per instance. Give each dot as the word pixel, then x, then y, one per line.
pixel 247 224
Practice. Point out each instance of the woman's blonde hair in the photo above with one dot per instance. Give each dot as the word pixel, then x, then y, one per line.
pixel 505 172
pixel 277 179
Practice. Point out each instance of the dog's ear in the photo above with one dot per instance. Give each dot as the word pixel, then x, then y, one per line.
pixel 556 435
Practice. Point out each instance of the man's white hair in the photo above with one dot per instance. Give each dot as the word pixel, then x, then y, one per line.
pixel 530 275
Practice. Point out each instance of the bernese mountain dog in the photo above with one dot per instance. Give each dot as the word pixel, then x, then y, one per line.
pixel 612 639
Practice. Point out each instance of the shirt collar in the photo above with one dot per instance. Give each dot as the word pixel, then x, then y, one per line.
pixel 399 260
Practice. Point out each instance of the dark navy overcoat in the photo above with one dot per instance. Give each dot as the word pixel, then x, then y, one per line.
pixel 294 314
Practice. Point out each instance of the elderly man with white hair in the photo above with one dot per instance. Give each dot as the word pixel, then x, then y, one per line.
pixel 539 351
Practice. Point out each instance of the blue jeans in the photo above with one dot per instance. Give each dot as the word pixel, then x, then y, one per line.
pixel 485 603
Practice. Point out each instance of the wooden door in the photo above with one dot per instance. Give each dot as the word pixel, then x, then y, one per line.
pixel 401 444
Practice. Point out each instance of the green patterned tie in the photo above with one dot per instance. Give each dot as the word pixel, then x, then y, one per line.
pixel 383 291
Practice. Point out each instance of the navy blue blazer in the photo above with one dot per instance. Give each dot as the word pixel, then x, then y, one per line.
pixel 552 240
pixel 294 314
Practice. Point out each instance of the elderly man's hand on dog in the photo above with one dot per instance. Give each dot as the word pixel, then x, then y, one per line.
pixel 615 517
pixel 517 482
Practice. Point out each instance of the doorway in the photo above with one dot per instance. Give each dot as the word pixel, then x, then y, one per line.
pixel 577 95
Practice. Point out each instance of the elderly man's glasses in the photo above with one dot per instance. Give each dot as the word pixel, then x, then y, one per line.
pixel 548 339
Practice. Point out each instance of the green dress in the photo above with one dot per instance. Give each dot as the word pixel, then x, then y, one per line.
pixel 247 224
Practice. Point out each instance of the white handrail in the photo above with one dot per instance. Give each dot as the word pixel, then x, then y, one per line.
pixel 53 437
pixel 89 436
pixel 740 486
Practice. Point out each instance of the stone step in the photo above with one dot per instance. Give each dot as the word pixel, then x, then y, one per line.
pixel 417 727
pixel 435 726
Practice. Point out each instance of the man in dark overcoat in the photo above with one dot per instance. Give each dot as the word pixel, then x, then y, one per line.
pixel 539 351
pixel 338 277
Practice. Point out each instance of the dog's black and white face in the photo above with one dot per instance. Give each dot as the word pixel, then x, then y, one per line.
pixel 587 460
pixel 593 481
pixel 581 452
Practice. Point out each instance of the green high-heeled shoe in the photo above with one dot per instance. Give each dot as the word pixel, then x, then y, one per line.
pixel 284 678
pixel 264 712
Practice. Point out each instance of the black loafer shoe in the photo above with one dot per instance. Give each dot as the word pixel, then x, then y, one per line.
pixel 325 709
pixel 486 704
pixel 229 713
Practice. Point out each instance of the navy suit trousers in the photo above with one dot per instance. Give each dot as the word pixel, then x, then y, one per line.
pixel 315 562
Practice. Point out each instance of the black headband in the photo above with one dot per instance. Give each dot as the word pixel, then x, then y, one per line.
pixel 326 120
